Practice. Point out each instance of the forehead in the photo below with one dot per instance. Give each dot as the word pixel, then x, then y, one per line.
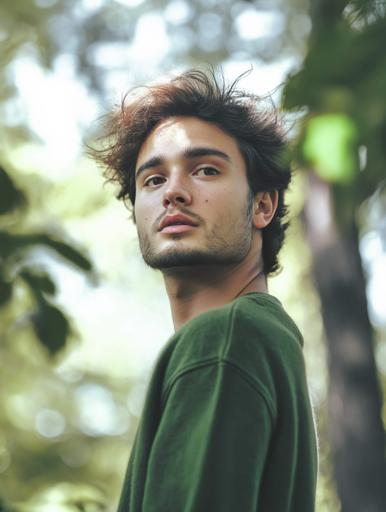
pixel 171 136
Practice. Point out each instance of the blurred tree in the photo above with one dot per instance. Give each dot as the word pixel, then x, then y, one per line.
pixel 342 83
pixel 26 298
pixel 99 33
pixel 28 312
pixel 51 326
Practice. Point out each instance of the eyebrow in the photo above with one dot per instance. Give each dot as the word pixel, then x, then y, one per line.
pixel 189 153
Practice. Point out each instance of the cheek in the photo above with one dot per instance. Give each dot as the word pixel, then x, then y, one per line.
pixel 143 222
pixel 147 214
pixel 141 215
pixel 226 199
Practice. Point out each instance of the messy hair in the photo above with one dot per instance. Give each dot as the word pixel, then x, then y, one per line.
pixel 258 132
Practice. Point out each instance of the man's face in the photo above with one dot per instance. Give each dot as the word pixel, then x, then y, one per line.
pixel 191 167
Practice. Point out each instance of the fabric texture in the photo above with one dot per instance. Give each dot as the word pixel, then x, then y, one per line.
pixel 227 424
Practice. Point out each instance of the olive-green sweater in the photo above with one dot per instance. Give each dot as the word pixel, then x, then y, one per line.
pixel 227 424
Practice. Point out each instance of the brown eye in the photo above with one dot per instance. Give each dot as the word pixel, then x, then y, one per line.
pixel 208 171
pixel 153 181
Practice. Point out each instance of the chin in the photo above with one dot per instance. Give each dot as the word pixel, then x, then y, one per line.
pixel 187 258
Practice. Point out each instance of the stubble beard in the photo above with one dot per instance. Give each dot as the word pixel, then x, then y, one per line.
pixel 219 249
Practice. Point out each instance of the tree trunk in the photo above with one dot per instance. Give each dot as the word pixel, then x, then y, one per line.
pixel 354 397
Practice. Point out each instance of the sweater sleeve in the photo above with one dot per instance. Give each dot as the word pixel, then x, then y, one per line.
pixel 209 451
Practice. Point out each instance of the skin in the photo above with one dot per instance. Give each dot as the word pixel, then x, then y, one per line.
pixel 219 259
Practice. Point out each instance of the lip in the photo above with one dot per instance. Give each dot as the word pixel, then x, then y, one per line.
pixel 178 228
pixel 169 222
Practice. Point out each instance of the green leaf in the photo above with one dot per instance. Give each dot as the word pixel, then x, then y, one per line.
pixel 51 327
pixel 330 147
pixel 8 244
pixel 38 281
pixel 10 196
pixel 11 243
pixel 66 251
pixel 5 291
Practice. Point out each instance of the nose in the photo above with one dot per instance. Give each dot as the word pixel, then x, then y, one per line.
pixel 176 193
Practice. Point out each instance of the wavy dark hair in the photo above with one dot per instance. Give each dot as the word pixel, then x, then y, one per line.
pixel 258 132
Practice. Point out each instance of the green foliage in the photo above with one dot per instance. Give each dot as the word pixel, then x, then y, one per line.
pixel 38 281
pixel 329 145
pixel 341 91
pixel 10 196
pixel 67 498
pixel 342 84
pixel 5 291
pixel 50 324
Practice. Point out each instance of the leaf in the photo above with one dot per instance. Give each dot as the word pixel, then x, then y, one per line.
pixel 330 147
pixel 66 251
pixel 5 291
pixel 38 281
pixel 7 244
pixel 51 327
pixel 11 243
pixel 10 196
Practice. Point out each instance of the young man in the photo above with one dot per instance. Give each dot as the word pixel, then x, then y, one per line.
pixel 227 423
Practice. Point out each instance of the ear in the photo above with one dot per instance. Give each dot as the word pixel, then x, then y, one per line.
pixel 264 208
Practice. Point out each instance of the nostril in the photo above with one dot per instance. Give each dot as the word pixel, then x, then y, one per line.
pixel 173 196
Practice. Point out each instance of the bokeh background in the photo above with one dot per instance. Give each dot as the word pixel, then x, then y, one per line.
pixel 82 319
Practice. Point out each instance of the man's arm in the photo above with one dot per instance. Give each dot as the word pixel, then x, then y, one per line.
pixel 210 449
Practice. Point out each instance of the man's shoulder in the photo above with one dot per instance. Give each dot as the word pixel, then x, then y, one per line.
pixel 247 332
pixel 255 317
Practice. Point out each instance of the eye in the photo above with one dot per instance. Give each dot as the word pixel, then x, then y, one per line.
pixel 208 171
pixel 152 181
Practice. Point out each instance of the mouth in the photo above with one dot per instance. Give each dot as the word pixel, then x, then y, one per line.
pixel 177 228
pixel 177 223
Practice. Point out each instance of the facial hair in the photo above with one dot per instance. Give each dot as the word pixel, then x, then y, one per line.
pixel 220 248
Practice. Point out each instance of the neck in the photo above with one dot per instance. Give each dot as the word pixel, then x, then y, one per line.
pixel 194 290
